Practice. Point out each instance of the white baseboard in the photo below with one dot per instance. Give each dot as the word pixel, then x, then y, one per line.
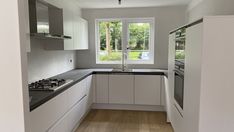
pixel 128 107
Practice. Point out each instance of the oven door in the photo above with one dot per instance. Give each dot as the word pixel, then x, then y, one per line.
pixel 179 89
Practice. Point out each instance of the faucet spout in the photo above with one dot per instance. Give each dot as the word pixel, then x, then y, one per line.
pixel 124 64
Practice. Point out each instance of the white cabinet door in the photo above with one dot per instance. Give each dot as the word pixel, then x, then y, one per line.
pixel 47 114
pixel 68 28
pixel 76 92
pixel 80 27
pixel 102 88
pixel 60 126
pixel 147 89
pixel 76 113
pixel 70 120
pixel 121 89
pixel 89 91
pixel 94 88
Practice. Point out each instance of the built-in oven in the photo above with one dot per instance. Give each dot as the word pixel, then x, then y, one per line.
pixel 179 89
pixel 179 70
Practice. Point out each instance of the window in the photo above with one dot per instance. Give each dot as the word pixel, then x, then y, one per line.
pixel 116 38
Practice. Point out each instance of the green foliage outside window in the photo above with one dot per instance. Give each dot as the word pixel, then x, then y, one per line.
pixel 110 40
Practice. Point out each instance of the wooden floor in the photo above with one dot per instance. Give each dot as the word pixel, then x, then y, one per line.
pixel 124 121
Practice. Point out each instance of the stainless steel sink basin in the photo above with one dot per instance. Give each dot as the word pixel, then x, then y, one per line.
pixel 120 70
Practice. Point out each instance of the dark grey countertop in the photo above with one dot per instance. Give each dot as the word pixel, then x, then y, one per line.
pixel 40 97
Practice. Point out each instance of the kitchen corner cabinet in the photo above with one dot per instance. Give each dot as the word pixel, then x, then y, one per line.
pixel 147 90
pixel 121 89
pixel 64 112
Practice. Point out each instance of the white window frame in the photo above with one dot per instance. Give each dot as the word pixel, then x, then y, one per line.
pixel 125 38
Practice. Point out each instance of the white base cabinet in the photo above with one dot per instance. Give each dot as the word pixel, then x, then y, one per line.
pixel 76 92
pixel 47 114
pixel 102 88
pixel 63 112
pixel 121 89
pixel 60 126
pixel 128 89
pixel 147 90
pixel 75 114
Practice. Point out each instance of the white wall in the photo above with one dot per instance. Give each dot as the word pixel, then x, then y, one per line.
pixel 210 7
pixel 166 19
pixel 47 63
pixel 13 96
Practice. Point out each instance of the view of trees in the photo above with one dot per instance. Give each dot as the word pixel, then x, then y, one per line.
pixel 110 40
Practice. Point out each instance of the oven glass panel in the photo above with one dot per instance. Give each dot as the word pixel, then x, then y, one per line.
pixel 179 89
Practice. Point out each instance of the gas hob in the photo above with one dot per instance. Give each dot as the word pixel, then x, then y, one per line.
pixel 48 84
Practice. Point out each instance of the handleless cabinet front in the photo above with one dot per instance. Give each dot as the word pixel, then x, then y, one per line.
pixel 148 89
pixel 42 118
pixel 76 92
pixel 121 89
pixel 102 88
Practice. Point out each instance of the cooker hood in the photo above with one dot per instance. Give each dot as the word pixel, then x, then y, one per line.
pixel 46 20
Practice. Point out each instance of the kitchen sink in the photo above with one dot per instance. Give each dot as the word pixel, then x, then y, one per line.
pixel 121 70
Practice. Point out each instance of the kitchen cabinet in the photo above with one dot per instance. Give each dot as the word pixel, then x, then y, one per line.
pixel 68 28
pixel 147 90
pixel 102 88
pixel 60 126
pixel 208 91
pixel 80 28
pixel 71 119
pixel 90 89
pixel 75 115
pixel 76 92
pixel 121 89
pixel 46 115
pixel 64 112
pixel 74 26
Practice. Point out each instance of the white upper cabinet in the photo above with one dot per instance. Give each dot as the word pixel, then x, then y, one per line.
pixel 68 28
pixel 147 89
pixel 74 26
pixel 80 29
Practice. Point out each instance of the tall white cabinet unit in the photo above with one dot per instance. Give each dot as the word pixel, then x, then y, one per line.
pixel 208 87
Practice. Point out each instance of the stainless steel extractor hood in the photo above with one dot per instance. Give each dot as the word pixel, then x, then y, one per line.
pixel 46 20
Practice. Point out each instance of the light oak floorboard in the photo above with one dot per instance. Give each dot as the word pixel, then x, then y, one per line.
pixel 124 121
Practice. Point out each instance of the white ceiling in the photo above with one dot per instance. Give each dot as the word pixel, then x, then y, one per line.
pixel 129 3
